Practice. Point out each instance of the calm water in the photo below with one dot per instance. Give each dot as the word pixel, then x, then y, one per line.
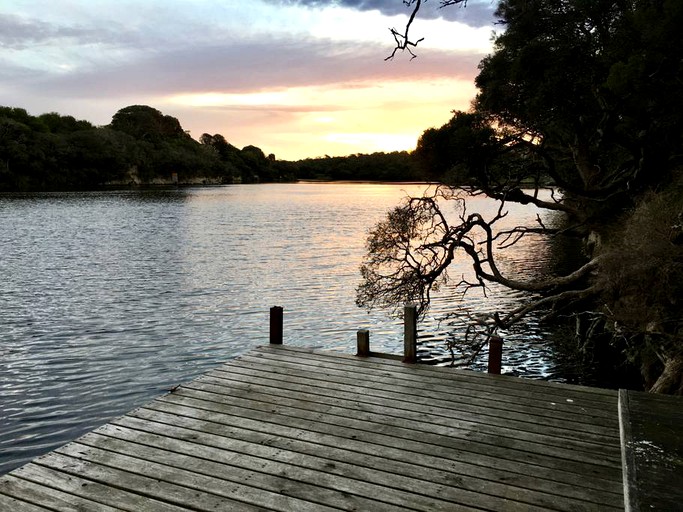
pixel 109 299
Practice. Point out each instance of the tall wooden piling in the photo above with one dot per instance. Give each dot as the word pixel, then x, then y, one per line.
pixel 410 334
pixel 276 325
pixel 363 343
pixel 495 354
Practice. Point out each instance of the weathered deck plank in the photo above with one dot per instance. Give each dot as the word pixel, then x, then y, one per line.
pixel 84 493
pixel 373 419
pixel 400 398
pixel 478 407
pixel 373 469
pixel 390 433
pixel 495 393
pixel 653 450
pixel 423 373
pixel 293 429
pixel 55 497
pixel 19 487
pixel 287 478
pixel 394 460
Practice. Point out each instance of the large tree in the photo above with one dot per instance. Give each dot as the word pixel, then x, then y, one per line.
pixel 147 123
pixel 586 95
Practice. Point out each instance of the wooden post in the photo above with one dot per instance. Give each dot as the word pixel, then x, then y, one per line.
pixel 410 333
pixel 363 342
pixel 495 354
pixel 276 325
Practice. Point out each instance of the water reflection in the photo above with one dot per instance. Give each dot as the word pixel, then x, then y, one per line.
pixel 109 298
pixel 527 352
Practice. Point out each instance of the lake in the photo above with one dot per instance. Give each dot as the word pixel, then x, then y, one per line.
pixel 109 299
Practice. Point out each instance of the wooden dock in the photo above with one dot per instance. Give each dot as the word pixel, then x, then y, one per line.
pixel 292 429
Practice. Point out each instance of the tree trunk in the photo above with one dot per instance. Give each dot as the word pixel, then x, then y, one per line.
pixel 671 379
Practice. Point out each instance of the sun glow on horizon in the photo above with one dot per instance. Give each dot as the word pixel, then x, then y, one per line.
pixel 335 119
pixel 375 142
pixel 333 97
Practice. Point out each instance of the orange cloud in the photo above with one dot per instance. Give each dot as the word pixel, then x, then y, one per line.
pixel 337 119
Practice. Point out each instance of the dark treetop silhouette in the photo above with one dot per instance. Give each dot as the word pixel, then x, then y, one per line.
pixel 585 96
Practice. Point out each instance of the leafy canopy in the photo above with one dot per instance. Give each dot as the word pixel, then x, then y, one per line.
pixel 583 95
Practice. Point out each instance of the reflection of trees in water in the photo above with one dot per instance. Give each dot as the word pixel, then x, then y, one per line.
pixel 582 353
pixel 455 331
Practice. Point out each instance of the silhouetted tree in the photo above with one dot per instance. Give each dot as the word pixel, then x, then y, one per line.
pixel 146 123
pixel 586 94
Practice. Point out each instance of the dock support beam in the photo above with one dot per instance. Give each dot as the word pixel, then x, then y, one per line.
pixel 410 334
pixel 363 343
pixel 495 354
pixel 276 325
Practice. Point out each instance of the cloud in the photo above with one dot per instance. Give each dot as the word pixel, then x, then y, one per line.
pixel 477 13
pixel 249 66
pixel 19 33
pixel 331 99
pixel 193 40
pixel 337 119
pixel 284 75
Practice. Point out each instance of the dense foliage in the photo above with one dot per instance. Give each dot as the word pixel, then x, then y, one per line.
pixel 142 146
pixel 394 166
pixel 586 95
pixel 54 152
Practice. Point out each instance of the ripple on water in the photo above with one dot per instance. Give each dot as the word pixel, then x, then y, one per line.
pixel 109 299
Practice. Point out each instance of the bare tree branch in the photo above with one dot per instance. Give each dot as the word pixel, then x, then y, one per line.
pixel 550 301
pixel 402 40
pixel 409 253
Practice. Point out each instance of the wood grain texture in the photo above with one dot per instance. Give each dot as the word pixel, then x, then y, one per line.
pixel 292 429
pixel 652 427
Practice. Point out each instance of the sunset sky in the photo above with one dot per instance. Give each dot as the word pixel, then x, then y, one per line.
pixel 298 78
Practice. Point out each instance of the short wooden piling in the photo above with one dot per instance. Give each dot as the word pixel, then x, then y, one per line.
pixel 363 343
pixel 495 354
pixel 410 334
pixel 276 325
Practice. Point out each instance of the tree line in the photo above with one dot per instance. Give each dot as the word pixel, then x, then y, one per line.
pixel 142 146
